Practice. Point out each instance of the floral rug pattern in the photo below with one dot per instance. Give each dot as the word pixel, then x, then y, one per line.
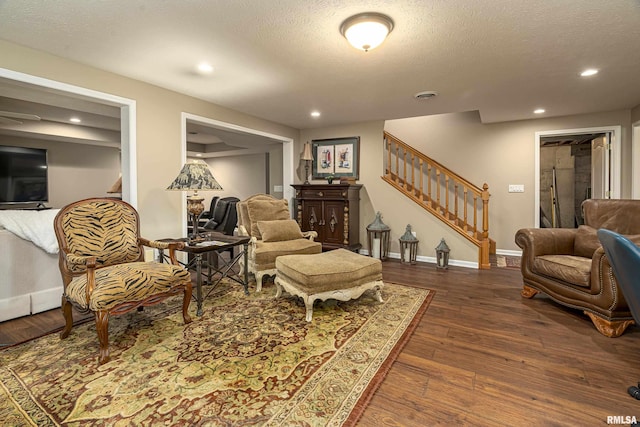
pixel 249 360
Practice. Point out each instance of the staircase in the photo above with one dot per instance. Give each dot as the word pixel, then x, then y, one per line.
pixel 443 193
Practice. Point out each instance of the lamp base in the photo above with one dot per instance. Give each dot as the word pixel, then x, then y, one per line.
pixel 195 209
pixel 306 173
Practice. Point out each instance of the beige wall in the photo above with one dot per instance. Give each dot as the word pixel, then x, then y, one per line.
pixel 501 154
pixel 76 171
pixel 158 128
pixel 239 176
pixel 635 114
pixel 244 176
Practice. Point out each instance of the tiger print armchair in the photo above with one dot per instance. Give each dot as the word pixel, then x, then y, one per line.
pixel 103 269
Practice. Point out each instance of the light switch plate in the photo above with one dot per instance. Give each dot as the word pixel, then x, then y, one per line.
pixel 516 188
pixel 277 188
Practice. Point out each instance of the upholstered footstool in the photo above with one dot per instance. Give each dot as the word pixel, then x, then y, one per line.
pixel 339 274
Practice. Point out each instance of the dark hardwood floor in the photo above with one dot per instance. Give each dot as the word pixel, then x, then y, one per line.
pixel 484 356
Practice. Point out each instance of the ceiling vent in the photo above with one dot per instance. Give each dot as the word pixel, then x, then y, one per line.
pixel 425 94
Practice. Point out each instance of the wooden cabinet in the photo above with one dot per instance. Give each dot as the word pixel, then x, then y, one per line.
pixel 332 210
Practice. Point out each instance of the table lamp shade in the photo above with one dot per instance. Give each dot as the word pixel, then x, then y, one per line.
pixel 307 156
pixel 195 176
pixel 306 152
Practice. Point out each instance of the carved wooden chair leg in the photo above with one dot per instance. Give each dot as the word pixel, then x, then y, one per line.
pixel 68 318
pixel 528 292
pixel 185 303
pixel 102 326
pixel 611 329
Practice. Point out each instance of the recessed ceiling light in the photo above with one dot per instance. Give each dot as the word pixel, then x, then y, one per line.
pixel 315 114
pixel 589 72
pixel 539 111
pixel 425 94
pixel 205 68
pixel 75 120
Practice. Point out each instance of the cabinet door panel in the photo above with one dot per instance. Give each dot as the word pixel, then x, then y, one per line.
pixel 312 217
pixel 332 211
pixel 333 222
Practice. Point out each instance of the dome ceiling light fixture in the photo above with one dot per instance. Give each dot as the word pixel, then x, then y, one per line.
pixel 366 31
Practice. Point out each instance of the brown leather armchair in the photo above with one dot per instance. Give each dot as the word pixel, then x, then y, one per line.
pixel 570 266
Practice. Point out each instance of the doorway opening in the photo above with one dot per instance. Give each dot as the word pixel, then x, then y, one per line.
pixel 572 166
pixel 242 142
pixel 127 120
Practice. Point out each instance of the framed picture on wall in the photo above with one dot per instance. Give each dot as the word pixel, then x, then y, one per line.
pixel 336 156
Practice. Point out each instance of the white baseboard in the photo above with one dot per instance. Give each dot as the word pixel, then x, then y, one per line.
pixel 430 259
pixel 46 300
pixel 24 305
pixel 508 252
pixel 19 306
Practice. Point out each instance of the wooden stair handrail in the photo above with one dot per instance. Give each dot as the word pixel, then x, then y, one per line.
pixel 428 159
pixel 479 236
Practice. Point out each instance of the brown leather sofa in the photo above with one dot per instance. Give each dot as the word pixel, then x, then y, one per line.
pixel 569 265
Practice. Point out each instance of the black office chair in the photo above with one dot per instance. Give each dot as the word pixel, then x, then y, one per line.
pixel 224 217
pixel 624 257
pixel 209 214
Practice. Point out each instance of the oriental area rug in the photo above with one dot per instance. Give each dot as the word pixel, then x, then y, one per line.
pixel 248 361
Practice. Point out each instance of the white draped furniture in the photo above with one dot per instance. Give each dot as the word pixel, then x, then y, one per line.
pixel 30 281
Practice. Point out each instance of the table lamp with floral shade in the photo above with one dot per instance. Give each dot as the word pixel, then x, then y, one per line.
pixel 195 175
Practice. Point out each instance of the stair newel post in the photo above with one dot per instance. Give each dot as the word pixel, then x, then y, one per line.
pixel 485 211
pixel 485 244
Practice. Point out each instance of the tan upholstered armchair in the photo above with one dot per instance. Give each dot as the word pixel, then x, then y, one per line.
pixel 570 266
pixel 103 268
pixel 273 233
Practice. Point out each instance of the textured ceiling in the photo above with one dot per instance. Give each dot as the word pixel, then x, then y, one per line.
pixel 281 59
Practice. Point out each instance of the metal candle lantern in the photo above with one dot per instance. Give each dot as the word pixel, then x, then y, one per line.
pixel 378 238
pixel 408 247
pixel 442 255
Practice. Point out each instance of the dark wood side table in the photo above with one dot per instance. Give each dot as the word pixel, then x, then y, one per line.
pixel 213 244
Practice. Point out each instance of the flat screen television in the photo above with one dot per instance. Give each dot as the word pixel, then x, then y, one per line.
pixel 23 175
